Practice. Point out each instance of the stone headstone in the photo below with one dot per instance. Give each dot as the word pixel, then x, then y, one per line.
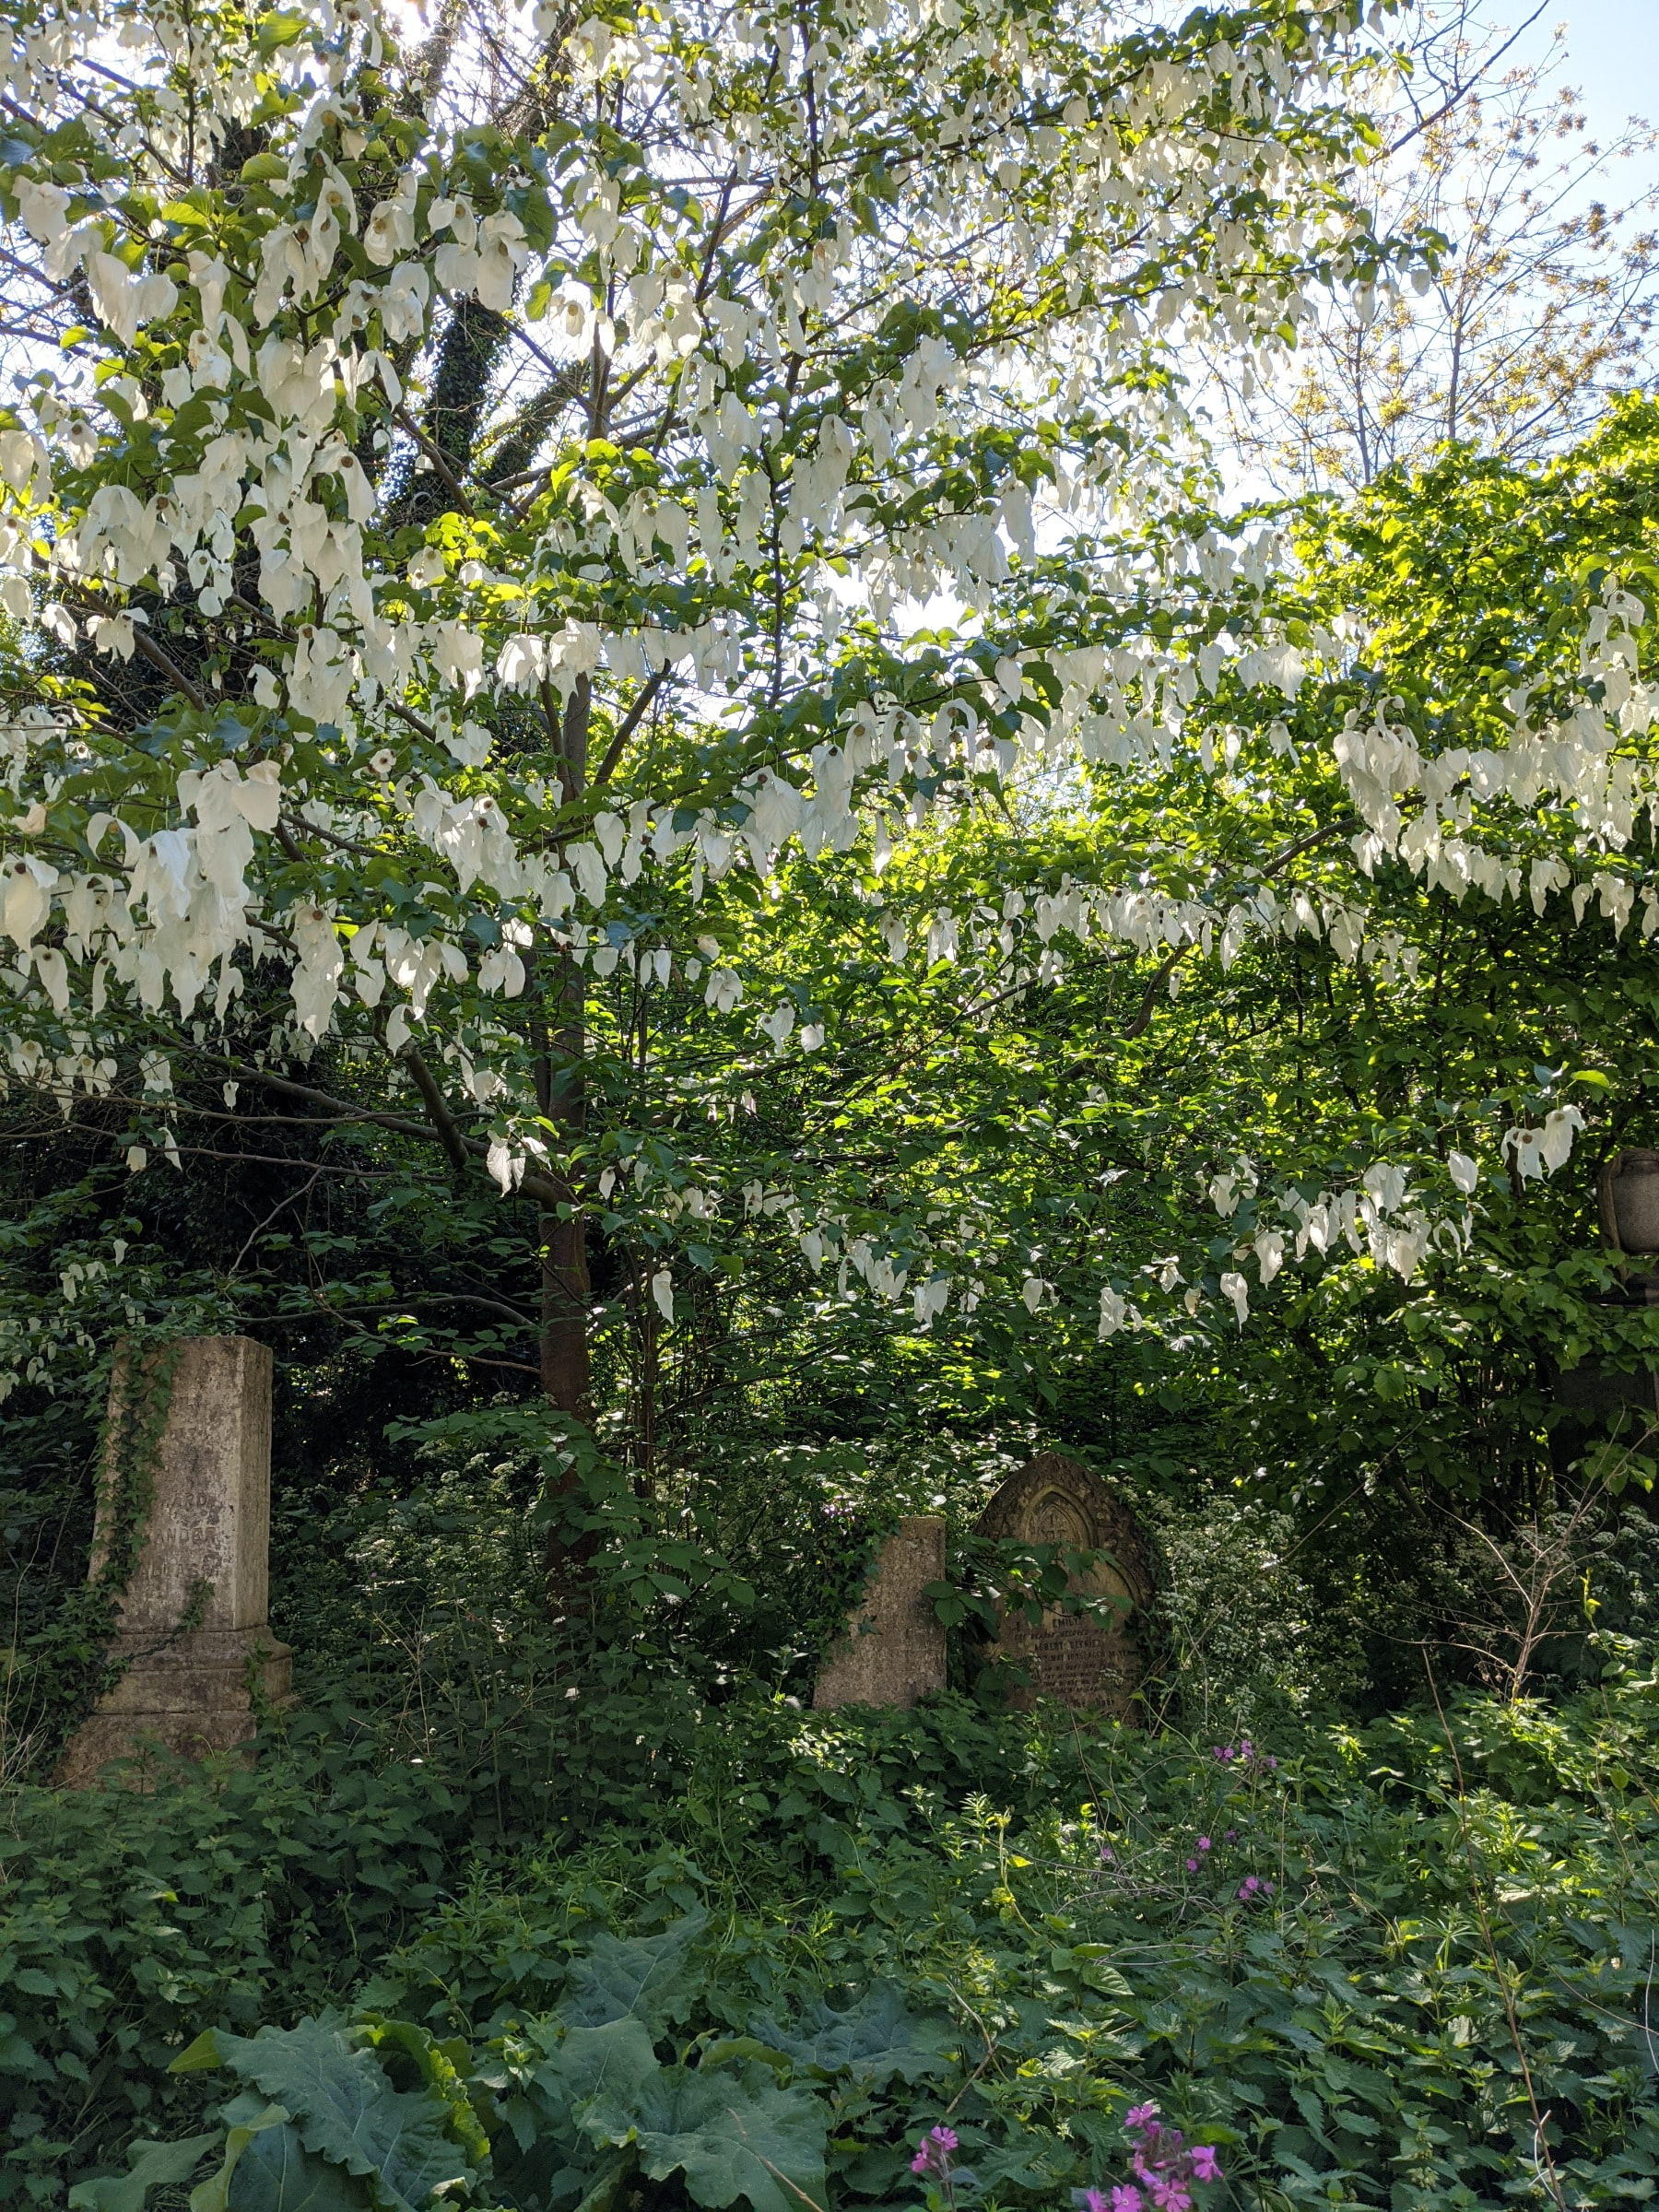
pixel 208 1521
pixel 1079 1659
pixel 893 1652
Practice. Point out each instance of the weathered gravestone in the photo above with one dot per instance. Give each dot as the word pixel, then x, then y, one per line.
pixel 893 1652
pixel 1081 1660
pixel 207 1523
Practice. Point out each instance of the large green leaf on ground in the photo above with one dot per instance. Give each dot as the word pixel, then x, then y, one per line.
pixel 344 2107
pixel 735 2142
pixel 439 2066
pixel 638 1976
pixel 616 2062
pixel 873 2039
pixel 277 2174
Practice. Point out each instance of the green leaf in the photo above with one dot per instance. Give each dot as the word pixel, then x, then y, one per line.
pixel 277 2174
pixel 744 2049
pixel 213 2194
pixel 616 2062
pixel 763 2145
pixel 599 2197
pixel 642 1976
pixel 149 2166
pixel 440 2074
pixel 344 2109
pixel 202 2054
pixel 873 2039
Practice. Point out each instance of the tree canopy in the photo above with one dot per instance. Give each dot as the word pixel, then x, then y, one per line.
pixel 637 725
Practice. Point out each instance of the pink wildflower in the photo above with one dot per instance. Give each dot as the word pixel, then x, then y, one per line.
pixel 933 2154
pixel 1205 2167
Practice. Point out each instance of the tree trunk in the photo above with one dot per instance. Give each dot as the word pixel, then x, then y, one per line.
pixel 564 1297
pixel 566 1288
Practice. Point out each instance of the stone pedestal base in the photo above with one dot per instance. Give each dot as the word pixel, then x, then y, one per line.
pixel 191 1696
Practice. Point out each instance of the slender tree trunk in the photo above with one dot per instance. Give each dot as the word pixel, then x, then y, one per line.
pixel 566 1370
pixel 566 1288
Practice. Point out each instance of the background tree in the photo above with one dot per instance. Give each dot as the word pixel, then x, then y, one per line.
pixel 1539 307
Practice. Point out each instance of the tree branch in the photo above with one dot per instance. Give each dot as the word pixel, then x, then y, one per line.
pixel 543 1188
pixel 434 455
pixel 444 1121
pixel 628 725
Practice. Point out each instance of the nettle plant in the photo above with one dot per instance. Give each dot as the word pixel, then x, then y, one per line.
pixel 460 506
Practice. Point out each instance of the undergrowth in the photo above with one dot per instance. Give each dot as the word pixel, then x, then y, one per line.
pixel 1405 1965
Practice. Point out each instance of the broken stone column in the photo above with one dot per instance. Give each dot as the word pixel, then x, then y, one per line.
pixel 207 1523
pixel 893 1652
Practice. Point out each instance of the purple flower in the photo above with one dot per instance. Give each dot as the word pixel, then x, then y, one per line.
pixel 1204 1843
pixel 1248 1886
pixel 1125 2197
pixel 1192 1865
pixel 933 2154
pixel 1139 2116
pixel 1170 2194
pixel 1232 1836
pixel 1204 2167
pixel 1092 2200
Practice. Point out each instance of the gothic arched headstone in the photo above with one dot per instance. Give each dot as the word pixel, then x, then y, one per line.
pixel 1080 1659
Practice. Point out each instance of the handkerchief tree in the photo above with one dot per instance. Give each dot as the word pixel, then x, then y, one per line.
pixel 460 495
pixel 461 500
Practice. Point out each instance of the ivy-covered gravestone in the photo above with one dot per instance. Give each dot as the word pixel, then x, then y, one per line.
pixel 193 1507
pixel 1090 1658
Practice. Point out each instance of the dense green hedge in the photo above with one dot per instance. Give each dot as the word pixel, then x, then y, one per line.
pixel 1433 1994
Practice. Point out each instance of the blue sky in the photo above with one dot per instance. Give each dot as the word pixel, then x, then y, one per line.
pixel 1612 46
pixel 1612 59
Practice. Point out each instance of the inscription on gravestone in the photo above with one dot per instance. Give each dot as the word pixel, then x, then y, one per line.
pixel 893 1652
pixel 1081 1661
